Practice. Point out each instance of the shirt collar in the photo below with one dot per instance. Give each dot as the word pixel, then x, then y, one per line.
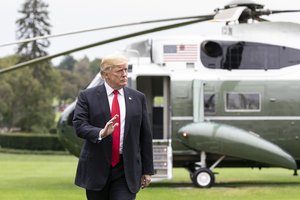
pixel 109 90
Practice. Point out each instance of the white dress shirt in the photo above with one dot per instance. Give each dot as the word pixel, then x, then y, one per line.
pixel 121 99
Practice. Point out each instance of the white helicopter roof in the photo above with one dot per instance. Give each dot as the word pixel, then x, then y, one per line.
pixel 278 33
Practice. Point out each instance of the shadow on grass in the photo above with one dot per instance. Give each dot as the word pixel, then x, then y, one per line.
pixel 236 184
pixel 171 184
pixel 243 184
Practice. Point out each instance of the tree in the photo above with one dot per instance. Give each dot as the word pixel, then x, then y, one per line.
pixel 6 95
pixel 11 94
pixel 34 23
pixel 95 66
pixel 67 63
pixel 42 82
pixel 70 86
pixel 76 75
pixel 82 69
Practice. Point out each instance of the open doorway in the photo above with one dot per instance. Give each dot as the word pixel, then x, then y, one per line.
pixel 157 91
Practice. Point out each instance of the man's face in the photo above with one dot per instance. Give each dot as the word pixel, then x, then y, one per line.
pixel 117 76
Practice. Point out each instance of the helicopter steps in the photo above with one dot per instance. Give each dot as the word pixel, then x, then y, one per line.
pixel 162 158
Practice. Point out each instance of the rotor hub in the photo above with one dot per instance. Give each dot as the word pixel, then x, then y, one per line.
pixel 249 4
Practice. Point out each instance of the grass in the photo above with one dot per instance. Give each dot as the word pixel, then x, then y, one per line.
pixel 38 177
pixel 50 177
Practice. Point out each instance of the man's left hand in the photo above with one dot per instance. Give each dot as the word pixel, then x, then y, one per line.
pixel 145 180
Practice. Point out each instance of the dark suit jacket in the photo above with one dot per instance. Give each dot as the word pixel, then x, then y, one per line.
pixel 91 114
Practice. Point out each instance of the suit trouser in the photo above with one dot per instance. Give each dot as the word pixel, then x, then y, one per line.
pixel 116 187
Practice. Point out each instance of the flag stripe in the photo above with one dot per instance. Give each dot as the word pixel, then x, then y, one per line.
pixel 180 53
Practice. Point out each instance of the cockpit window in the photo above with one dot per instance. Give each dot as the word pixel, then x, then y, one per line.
pixel 231 55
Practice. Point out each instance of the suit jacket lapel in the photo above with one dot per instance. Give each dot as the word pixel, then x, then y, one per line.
pixel 103 103
pixel 129 106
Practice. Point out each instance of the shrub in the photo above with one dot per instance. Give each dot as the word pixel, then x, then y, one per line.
pixel 37 142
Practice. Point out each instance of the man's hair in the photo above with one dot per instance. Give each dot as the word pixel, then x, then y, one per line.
pixel 112 60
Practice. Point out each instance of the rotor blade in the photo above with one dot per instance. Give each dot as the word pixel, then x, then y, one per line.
pixel 269 12
pixel 283 11
pixel 102 28
pixel 34 61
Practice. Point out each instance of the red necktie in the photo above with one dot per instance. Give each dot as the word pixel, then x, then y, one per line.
pixel 115 110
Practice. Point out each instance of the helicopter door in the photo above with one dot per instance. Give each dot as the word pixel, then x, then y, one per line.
pixel 157 91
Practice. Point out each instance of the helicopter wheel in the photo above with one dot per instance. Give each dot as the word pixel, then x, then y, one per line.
pixel 192 168
pixel 203 178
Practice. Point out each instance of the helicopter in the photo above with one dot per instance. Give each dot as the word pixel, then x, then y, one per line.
pixel 229 100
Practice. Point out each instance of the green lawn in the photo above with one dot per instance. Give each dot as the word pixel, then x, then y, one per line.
pixel 50 177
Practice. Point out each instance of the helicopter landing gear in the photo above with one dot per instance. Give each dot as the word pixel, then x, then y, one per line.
pixel 295 172
pixel 201 175
pixel 203 178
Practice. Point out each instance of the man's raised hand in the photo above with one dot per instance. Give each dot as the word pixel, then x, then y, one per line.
pixel 109 127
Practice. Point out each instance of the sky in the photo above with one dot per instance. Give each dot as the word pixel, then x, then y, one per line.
pixel 70 15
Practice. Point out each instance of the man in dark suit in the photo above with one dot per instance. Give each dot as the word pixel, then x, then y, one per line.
pixel 116 159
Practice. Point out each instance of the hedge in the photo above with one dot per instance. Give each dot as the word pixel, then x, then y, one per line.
pixel 36 142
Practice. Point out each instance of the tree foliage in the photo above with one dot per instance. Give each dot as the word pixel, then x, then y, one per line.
pixel 25 103
pixel 22 102
pixel 27 94
pixel 67 63
pixel 77 74
pixel 94 66
pixel 38 85
pixel 33 23
pixel 7 94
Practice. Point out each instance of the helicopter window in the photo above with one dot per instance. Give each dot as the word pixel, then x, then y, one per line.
pixel 231 55
pixel 259 56
pixel 291 56
pixel 130 68
pixel 209 103
pixel 247 102
pixel 129 82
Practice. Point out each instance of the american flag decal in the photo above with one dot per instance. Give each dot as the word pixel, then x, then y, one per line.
pixel 180 53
